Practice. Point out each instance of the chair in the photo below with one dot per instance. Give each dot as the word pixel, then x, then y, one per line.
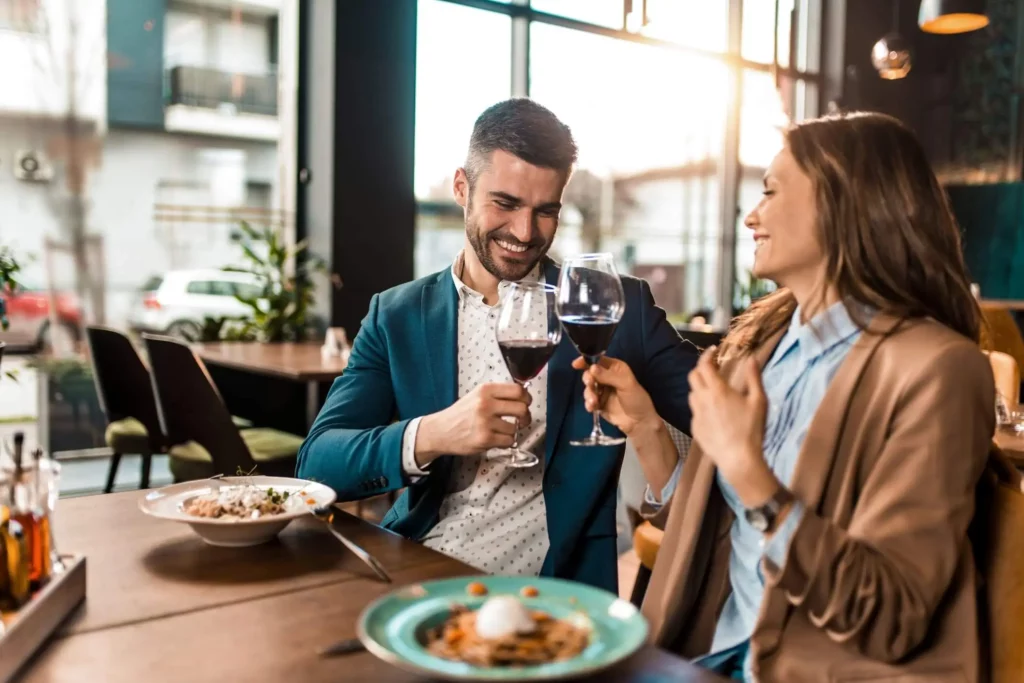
pixel 1007 377
pixel 126 398
pixel 646 543
pixel 196 421
pixel 647 537
pixel 1000 332
pixel 1000 557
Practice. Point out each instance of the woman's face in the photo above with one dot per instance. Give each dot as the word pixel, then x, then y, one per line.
pixel 788 249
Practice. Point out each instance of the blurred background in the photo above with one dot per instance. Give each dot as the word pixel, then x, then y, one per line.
pixel 145 145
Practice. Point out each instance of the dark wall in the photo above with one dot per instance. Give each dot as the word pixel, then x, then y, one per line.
pixel 374 203
pixel 989 216
pixel 960 96
pixel 135 55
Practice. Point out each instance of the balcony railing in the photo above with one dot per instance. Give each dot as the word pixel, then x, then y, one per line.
pixel 195 86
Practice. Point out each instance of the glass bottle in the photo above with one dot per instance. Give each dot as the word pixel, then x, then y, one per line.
pixel 29 509
pixel 15 584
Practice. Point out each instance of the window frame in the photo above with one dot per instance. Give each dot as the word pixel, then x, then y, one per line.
pixel 807 85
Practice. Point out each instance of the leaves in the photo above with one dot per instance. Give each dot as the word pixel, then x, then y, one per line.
pixel 752 290
pixel 9 268
pixel 222 328
pixel 280 312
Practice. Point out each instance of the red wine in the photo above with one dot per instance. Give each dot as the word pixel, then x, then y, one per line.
pixel 526 358
pixel 591 335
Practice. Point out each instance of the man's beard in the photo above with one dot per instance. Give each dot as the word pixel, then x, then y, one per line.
pixel 501 268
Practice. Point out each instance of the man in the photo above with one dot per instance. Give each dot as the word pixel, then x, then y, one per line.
pixel 427 354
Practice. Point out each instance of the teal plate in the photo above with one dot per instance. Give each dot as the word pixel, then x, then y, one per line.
pixel 392 627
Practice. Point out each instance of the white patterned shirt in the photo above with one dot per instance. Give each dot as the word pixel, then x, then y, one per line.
pixel 493 517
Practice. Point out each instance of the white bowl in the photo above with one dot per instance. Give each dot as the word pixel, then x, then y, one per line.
pixel 167 503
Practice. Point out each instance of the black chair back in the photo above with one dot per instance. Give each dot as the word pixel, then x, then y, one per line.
pixel 191 408
pixel 122 382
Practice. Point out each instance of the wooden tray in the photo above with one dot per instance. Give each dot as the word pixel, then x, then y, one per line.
pixel 28 628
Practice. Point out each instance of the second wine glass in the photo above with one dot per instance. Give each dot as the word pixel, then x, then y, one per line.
pixel 528 332
pixel 590 305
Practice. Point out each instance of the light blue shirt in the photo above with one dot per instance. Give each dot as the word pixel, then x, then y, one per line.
pixel 795 380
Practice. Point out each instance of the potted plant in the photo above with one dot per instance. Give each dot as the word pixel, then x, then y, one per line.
pixel 750 291
pixel 70 417
pixel 282 310
pixel 9 268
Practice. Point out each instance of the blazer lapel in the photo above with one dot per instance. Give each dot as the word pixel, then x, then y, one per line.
pixel 818 453
pixel 439 338
pixel 562 379
pixel 673 591
pixel 440 316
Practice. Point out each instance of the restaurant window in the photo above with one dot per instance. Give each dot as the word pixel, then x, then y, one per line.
pixel 649 118
pixel 599 12
pixel 20 15
pixel 463 65
pixel 649 125
pixel 758 19
pixel 182 124
pixel 702 25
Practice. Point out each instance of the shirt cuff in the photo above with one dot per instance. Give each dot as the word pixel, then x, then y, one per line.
pixel 777 546
pixel 409 466
pixel 666 491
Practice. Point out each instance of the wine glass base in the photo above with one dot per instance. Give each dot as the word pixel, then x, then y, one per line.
pixel 518 459
pixel 601 440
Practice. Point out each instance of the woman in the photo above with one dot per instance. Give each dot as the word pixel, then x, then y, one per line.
pixel 818 530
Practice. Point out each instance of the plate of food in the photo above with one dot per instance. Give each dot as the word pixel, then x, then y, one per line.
pixel 501 628
pixel 237 511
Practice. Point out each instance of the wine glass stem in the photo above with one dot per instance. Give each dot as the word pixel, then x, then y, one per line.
pixel 596 432
pixel 515 438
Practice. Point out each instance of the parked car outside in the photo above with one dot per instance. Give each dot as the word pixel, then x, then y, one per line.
pixel 177 302
pixel 28 311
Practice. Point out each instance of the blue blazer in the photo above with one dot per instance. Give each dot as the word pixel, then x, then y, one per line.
pixel 403 365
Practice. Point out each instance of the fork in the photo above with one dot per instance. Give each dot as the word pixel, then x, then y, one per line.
pixel 326 515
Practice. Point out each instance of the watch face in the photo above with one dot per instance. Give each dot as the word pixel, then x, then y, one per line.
pixel 758 519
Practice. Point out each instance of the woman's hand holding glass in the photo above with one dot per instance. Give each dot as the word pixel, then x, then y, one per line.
pixel 609 385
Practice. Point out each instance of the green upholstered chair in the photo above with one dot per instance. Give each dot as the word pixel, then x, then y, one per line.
pixel 125 391
pixel 126 397
pixel 197 424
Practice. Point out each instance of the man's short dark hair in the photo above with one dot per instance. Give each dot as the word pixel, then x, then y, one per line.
pixel 524 129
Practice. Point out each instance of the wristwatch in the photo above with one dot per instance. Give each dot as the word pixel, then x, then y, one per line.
pixel 764 517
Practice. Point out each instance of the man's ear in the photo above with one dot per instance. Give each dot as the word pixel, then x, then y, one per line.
pixel 460 188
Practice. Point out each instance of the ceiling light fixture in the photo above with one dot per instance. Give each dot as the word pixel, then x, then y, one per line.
pixel 951 16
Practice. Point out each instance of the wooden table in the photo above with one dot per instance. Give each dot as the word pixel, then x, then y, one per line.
pixel 299 362
pixel 1012 444
pixel 163 606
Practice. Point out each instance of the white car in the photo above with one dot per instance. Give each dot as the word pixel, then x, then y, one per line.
pixel 177 303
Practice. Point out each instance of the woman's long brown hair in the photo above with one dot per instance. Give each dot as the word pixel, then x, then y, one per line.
pixel 890 239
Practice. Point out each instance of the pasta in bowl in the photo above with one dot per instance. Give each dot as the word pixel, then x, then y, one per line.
pixel 237 511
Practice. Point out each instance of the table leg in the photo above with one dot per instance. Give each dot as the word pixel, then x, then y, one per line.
pixel 312 402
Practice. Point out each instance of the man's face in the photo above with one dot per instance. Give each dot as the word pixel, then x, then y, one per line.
pixel 511 213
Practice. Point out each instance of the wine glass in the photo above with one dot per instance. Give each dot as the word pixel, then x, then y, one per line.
pixel 528 332
pixel 590 305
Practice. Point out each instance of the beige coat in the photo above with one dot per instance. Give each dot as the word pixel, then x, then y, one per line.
pixel 879 582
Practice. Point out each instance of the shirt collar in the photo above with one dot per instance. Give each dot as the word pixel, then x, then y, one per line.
pixel 465 292
pixel 832 326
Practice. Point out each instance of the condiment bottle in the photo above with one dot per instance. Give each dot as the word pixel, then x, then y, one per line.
pixel 15 584
pixel 29 510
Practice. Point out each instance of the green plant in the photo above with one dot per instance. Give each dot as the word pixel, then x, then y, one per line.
pixel 281 311
pixel 9 268
pixel 224 328
pixel 70 378
pixel 753 289
pixel 62 370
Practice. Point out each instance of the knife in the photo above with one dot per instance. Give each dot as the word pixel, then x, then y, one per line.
pixel 342 647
